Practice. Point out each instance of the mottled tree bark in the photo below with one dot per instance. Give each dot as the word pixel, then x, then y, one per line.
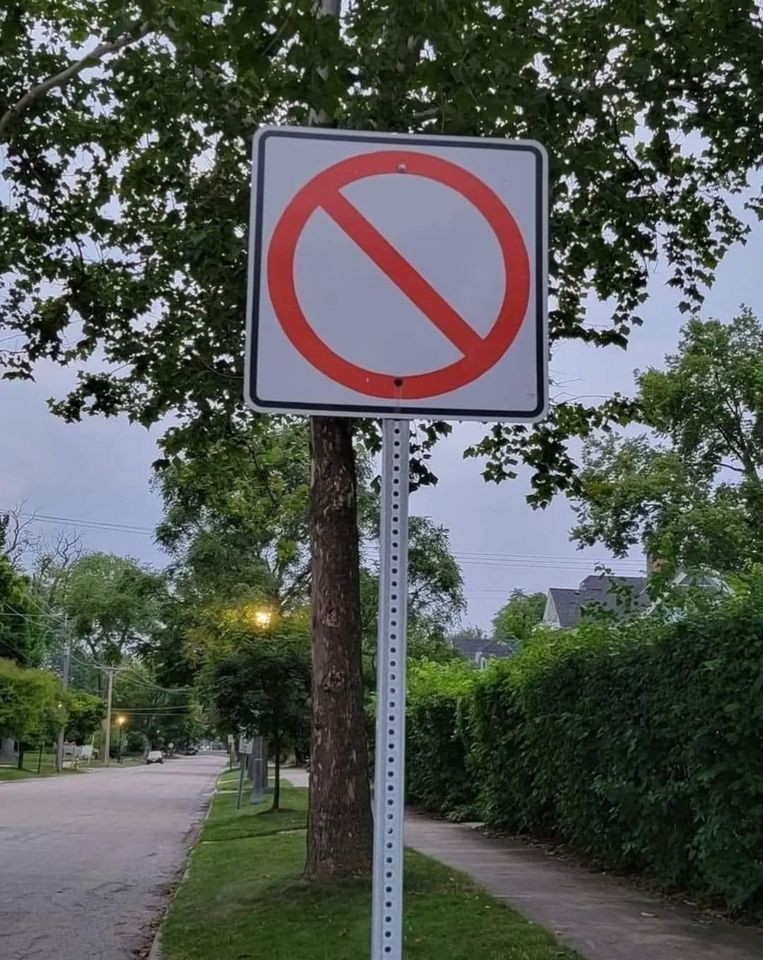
pixel 339 834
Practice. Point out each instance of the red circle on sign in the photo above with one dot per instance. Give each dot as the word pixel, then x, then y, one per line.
pixel 479 356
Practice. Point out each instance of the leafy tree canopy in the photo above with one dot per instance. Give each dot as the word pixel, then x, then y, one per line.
pixel 112 603
pixel 24 631
pixel 263 687
pixel 30 702
pixel 435 594
pixel 236 520
pixel 517 618
pixel 691 490
pixel 126 130
pixel 84 712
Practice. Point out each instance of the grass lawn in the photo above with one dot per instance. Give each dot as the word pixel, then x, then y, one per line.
pixel 48 766
pixel 31 757
pixel 11 773
pixel 245 897
pixel 227 823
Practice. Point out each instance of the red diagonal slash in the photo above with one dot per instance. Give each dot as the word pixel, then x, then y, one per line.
pixel 401 273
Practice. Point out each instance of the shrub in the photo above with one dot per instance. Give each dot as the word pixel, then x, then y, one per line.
pixel 84 714
pixel 437 777
pixel 30 706
pixel 639 744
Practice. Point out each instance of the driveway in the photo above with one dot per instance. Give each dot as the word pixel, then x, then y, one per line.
pixel 86 861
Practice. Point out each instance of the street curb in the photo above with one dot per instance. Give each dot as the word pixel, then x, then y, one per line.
pixel 155 950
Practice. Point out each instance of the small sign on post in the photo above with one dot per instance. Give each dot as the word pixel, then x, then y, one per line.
pixel 258 774
pixel 396 277
pixel 244 750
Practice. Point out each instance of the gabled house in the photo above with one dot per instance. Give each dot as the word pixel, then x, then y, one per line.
pixel 622 596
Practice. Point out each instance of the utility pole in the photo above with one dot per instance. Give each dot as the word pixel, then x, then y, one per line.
pixel 65 685
pixel 107 727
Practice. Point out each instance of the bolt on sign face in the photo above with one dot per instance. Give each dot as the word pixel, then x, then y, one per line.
pixel 397 276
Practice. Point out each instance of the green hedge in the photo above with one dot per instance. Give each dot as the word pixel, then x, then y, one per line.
pixel 640 745
pixel 437 774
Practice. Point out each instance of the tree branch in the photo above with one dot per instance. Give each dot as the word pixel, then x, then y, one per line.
pixel 62 78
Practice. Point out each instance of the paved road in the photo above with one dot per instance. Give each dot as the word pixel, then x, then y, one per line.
pixel 86 861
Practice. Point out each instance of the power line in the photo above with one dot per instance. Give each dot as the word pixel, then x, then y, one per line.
pixel 136 711
pixel 542 556
pixel 512 559
pixel 148 683
pixel 465 555
pixel 89 524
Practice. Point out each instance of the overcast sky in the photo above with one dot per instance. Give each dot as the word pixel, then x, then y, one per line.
pixel 99 470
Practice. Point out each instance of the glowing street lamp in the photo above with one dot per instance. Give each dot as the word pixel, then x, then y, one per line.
pixel 263 618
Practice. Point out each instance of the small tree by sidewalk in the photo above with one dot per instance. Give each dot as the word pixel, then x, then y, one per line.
pixel 30 705
pixel 264 689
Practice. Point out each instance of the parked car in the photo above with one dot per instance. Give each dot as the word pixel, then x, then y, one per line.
pixel 154 756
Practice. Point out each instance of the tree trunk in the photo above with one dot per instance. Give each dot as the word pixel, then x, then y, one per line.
pixel 20 764
pixel 339 834
pixel 277 783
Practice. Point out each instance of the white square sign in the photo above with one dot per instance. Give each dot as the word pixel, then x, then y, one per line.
pixel 397 276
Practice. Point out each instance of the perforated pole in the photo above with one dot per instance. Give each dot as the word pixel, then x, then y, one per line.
pixel 389 789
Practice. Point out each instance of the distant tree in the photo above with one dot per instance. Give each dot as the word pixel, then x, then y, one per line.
pixel 264 689
pixel 112 603
pixel 25 630
pixel 236 519
pixel 517 619
pixel 17 533
pixel 49 560
pixel 84 712
pixel 161 714
pixel 30 705
pixel 691 490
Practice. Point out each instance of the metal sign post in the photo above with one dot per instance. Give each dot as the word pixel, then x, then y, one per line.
pixel 258 780
pixel 360 241
pixel 241 775
pixel 244 751
pixel 389 788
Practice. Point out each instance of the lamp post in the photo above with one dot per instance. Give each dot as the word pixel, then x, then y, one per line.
pixel 121 720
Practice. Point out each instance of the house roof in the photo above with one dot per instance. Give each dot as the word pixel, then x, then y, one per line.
pixel 620 595
pixel 470 647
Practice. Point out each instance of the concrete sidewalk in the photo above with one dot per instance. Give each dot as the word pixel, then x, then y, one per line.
pixel 600 917
pixel 593 913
